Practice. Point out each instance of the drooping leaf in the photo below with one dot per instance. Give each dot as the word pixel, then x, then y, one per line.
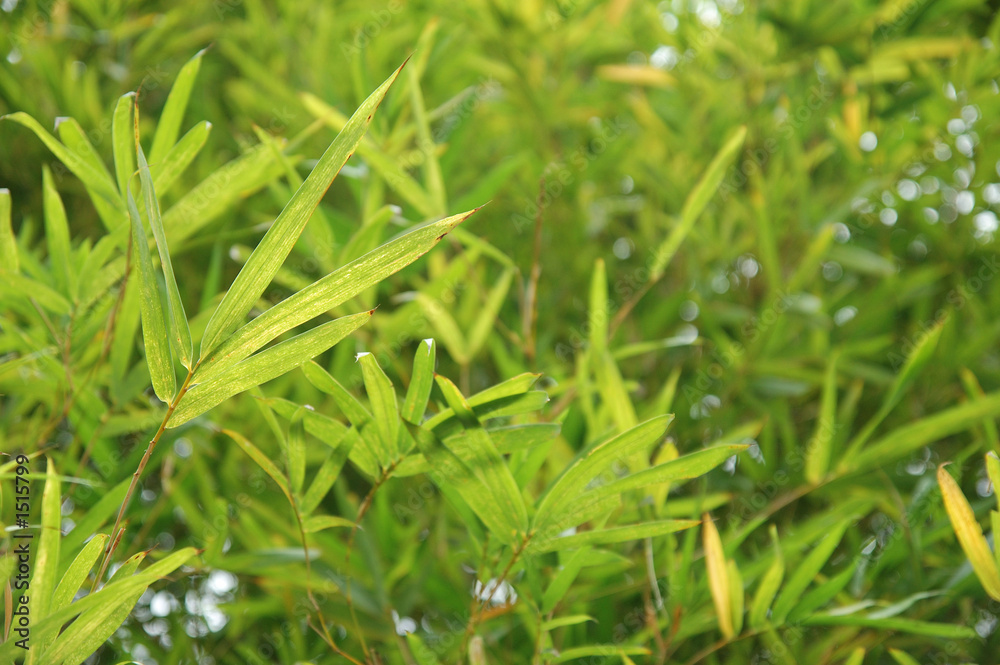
pixel 169 125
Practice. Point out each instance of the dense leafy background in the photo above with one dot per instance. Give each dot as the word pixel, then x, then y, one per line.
pixel 853 230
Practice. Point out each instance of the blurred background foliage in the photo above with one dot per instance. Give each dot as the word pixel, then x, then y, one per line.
pixel 855 226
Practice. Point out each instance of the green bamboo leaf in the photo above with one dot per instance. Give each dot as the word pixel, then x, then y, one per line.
pixel 260 268
pixel 297 451
pixel 598 650
pixel 57 236
pixel 736 596
pixel 969 533
pixel 925 628
pixel 857 657
pixel 78 572
pixel 121 141
pixel 598 313
pixel 445 327
pixel 9 260
pixel 482 458
pixel 917 359
pixel 613 535
pixel 421 382
pixel 806 572
pixel 264 366
pixel 95 517
pixel 486 320
pixel 328 473
pixel 320 522
pixel 166 171
pixel 490 491
pixel 353 409
pixel 698 199
pixel 818 450
pixel 768 588
pixel 326 293
pixel 159 358
pixel 76 141
pixel 382 397
pixel 570 620
pixel 596 461
pixel 822 593
pixel 689 466
pixel 904 440
pixel 566 573
pixel 94 180
pixel 45 296
pixel 219 191
pixel 262 460
pixel 180 332
pixel 42 631
pixel 169 125
pixel 507 439
pixel 46 560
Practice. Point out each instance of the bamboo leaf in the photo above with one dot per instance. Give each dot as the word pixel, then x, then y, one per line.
pixel 46 562
pixel 382 397
pixel 613 535
pixel 421 382
pixel 297 451
pixel 122 144
pixel 159 359
pixel 169 125
pixel 970 535
pixel 768 588
pixel 260 268
pixel 806 572
pixel 818 451
pixel 57 236
pixel 328 473
pixel 180 332
pixel 688 466
pixel 78 572
pixel 262 460
pixel 9 261
pixel 598 460
pixel 320 522
pixel 698 199
pixel 326 293
pixel 485 322
pixel 264 366
pixel 94 180
pixel 718 576
pixel 166 171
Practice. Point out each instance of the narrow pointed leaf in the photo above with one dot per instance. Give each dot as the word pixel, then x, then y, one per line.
pixel 122 144
pixel 78 572
pixel 598 460
pixel 421 382
pixel 328 292
pixel 382 397
pixel 698 199
pixel 818 450
pixel 154 329
pixel 266 365
pixel 9 261
pixel 320 522
pixel 166 171
pixel 262 265
pixel 262 460
pixel 297 451
pixel 806 572
pixel 768 587
pixel 618 534
pixel 718 576
pixel 169 125
pixel 57 235
pixel 487 319
pixel 179 331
